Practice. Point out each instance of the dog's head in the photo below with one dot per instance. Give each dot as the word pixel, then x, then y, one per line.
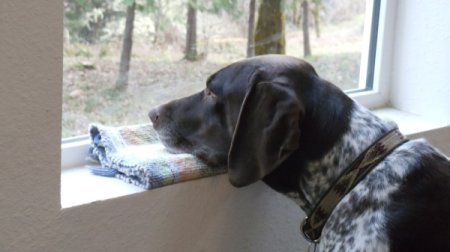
pixel 248 117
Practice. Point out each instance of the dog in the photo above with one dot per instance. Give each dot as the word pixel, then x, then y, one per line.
pixel 272 118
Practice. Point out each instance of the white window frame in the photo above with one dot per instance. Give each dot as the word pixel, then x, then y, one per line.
pixel 74 149
pixel 378 94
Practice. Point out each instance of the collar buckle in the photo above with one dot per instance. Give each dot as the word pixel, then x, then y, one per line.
pixel 308 232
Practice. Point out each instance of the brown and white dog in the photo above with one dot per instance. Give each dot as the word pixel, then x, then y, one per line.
pixel 273 118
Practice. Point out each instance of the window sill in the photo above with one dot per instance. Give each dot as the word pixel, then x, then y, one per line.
pixel 409 124
pixel 79 186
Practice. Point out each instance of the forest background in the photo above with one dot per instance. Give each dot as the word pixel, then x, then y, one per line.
pixel 122 57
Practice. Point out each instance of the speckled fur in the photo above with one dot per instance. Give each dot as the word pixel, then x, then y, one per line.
pixel 388 207
pixel 358 223
pixel 319 175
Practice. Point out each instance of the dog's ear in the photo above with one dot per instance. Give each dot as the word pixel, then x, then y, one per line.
pixel 266 133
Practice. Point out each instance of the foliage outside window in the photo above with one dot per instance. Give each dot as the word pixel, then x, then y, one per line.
pixel 122 57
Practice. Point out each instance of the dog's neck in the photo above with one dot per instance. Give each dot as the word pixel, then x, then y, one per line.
pixel 317 176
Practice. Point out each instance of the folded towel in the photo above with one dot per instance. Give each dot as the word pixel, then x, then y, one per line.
pixel 134 154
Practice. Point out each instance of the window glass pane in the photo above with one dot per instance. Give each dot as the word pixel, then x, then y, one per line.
pixel 162 69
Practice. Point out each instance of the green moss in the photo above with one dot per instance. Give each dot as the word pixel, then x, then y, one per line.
pixel 270 32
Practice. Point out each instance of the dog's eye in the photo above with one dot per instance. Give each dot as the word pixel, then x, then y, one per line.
pixel 208 92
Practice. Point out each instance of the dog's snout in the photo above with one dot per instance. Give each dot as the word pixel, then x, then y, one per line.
pixel 154 116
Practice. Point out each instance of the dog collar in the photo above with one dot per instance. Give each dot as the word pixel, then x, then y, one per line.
pixel 312 226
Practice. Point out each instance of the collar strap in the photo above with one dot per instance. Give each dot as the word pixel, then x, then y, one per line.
pixel 312 226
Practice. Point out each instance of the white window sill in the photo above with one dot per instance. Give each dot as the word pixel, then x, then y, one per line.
pixel 79 186
pixel 408 123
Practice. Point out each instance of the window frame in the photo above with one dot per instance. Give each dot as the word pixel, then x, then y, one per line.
pixel 369 50
pixel 372 93
pixel 377 57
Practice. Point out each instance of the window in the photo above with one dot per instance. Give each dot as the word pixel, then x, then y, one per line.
pixel 342 39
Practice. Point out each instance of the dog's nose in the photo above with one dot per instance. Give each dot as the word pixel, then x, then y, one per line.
pixel 154 116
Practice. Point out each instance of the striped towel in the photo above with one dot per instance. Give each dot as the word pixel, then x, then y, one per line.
pixel 134 154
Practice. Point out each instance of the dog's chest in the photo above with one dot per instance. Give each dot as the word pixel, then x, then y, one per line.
pixel 359 222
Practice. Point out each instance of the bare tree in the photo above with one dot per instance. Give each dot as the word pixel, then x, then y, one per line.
pixel 316 15
pixel 251 29
pixel 295 17
pixel 191 32
pixel 305 27
pixel 157 16
pixel 125 57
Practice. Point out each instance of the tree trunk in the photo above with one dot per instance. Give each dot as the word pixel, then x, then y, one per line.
pixel 305 27
pixel 125 57
pixel 295 17
pixel 157 22
pixel 316 15
pixel 270 33
pixel 251 29
pixel 191 33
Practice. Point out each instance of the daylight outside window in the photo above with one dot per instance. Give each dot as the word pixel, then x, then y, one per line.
pixel 122 57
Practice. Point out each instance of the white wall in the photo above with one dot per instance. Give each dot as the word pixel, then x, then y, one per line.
pixel 420 76
pixel 203 215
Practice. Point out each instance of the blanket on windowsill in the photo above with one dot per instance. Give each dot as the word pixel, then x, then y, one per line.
pixel 134 154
